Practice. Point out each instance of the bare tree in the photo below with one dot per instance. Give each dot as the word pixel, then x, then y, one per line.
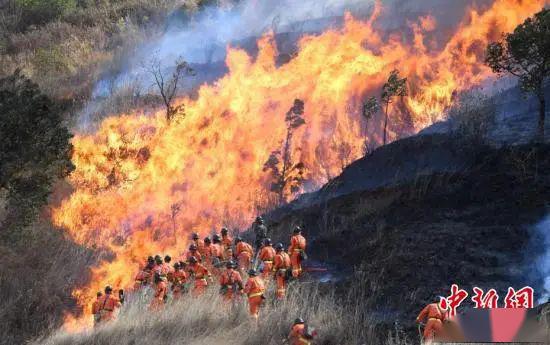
pixel 168 84
pixel 174 210
pixel 395 86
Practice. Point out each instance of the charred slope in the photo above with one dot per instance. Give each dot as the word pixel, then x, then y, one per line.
pixel 465 218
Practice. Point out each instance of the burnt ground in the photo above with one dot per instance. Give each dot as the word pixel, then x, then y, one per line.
pixel 410 240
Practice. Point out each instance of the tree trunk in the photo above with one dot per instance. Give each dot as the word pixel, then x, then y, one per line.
pixel 286 164
pixel 542 115
pixel 386 122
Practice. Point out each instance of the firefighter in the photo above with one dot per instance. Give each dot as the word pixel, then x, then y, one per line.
pixel 207 251
pixel 197 242
pixel 267 255
pixel 244 253
pixel 231 283
pixel 434 317
pixel 260 230
pixel 161 292
pixel 300 333
pixel 216 254
pixel 281 265
pixel 108 304
pixel 144 275
pixel 200 274
pixel 179 279
pixel 217 249
pixel 193 252
pixel 95 308
pixel 167 270
pixel 227 242
pixel 158 260
pixel 255 290
pixel 158 267
pixel 297 250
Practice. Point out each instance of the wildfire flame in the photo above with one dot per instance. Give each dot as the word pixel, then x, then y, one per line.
pixel 141 185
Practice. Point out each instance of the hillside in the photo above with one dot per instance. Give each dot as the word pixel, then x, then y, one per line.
pixel 392 246
pixel 469 222
pixel 387 130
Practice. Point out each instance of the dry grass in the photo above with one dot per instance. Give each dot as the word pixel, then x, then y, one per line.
pixel 36 279
pixel 207 320
pixel 471 117
pixel 66 53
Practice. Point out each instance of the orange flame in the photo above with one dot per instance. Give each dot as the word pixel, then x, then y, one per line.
pixel 141 185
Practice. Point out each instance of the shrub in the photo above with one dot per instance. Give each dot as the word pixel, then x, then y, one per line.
pixel 39 12
pixel 35 287
pixel 472 116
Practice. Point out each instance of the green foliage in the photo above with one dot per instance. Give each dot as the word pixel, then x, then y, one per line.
pixel 63 5
pixel 37 12
pixel 51 60
pixel 370 107
pixel 35 148
pixel 287 177
pixel 525 53
pixel 394 87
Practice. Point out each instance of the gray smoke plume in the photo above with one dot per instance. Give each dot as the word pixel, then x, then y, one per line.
pixel 202 39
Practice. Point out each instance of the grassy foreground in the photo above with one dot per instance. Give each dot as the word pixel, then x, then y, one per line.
pixel 208 320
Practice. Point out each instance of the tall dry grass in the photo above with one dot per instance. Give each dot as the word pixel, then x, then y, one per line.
pixel 37 276
pixel 209 320
pixel 67 51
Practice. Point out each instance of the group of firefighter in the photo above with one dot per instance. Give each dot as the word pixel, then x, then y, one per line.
pixel 227 260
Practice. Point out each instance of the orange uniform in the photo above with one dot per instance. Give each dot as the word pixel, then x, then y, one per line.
pixel 296 248
pixel 267 255
pixel 216 251
pixel 154 269
pixel 107 306
pixel 231 283
pixel 190 253
pixel 142 278
pixel 201 274
pixel 207 253
pixel 216 257
pixel 161 291
pixel 166 271
pixel 95 310
pixel 434 324
pixel 200 247
pixel 227 241
pixel 254 289
pixel 178 283
pixel 95 306
pixel 280 265
pixel 297 335
pixel 244 254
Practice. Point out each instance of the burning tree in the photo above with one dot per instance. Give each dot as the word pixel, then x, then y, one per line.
pixel 394 87
pixel 370 107
pixel 287 178
pixel 525 53
pixel 168 84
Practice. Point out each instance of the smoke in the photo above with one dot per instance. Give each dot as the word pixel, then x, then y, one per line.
pixel 543 263
pixel 202 39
